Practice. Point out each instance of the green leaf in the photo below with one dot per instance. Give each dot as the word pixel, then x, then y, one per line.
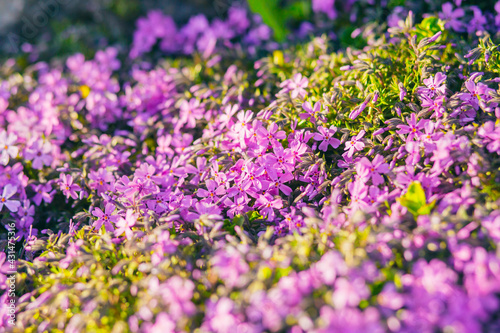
pixel 271 15
pixel 429 27
pixel 414 199
pixel 238 220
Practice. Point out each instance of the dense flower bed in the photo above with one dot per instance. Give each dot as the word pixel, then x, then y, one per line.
pixel 235 184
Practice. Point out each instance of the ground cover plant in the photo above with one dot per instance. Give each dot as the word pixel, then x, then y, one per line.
pixel 259 173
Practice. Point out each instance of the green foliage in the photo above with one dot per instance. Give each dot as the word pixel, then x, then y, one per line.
pixel 271 15
pixel 414 199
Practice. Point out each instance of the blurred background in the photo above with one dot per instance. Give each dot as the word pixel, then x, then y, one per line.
pixel 69 26
pixel 43 29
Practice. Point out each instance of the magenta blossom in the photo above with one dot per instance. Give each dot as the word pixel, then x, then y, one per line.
pixel 367 169
pixel 359 192
pixel 312 112
pixel 7 147
pixel 69 189
pixel 434 85
pixel 40 153
pixel 326 137
pixel 267 204
pixel 124 225
pixel 355 144
pixel 413 128
pixel 105 217
pixel 8 192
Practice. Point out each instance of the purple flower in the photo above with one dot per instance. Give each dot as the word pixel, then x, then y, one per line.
pixel 7 147
pixel 355 144
pixel 101 180
pixel 367 169
pixel 451 17
pixel 212 192
pixel 163 324
pixel 221 317
pixel 271 134
pixel 230 266
pixel 124 225
pixel 278 183
pixel 40 152
pixel 434 85
pixel 328 268
pixel 189 113
pixel 236 207
pixel 267 204
pixel 311 112
pixel 413 128
pixel 243 124
pixel 325 6
pixel 359 192
pixel 177 293
pixel 7 193
pixel 296 86
pixel 349 293
pixel 69 189
pixel 105 217
pixel 326 137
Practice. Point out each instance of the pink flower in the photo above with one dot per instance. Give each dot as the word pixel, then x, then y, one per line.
pixel 451 17
pixel 359 192
pixel 296 86
pixel 40 153
pixel 413 128
pixel 7 147
pixel 326 137
pixel 105 217
pixel 311 112
pixel 243 125
pixel 100 180
pixel 43 192
pixel 69 189
pixel 325 6
pixel 271 134
pixel 434 85
pixel 367 169
pixel 163 324
pixel 266 204
pixel 355 144
pixel 8 192
pixel 124 225
pixel 213 191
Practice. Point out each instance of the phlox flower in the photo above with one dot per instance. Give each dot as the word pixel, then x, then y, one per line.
pixel 312 112
pixel 271 134
pixel 43 192
pixel 40 153
pixel 124 225
pixel 212 193
pixel 105 217
pixel 413 128
pixel 452 16
pixel 267 204
pixel 68 187
pixel 7 193
pixel 296 86
pixel 7 147
pixel 434 85
pixel 355 144
pixel 359 192
pixel 373 169
pixel 244 123
pixel 326 137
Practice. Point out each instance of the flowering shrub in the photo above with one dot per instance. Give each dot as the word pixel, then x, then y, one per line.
pixel 241 185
